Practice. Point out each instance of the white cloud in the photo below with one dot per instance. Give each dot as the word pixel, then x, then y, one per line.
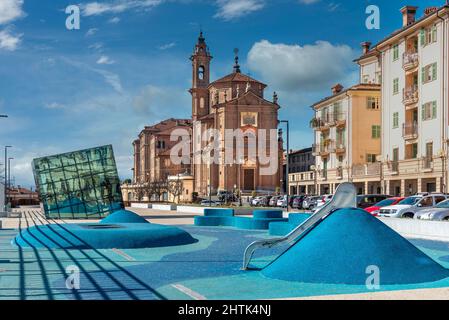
pixel 10 10
pixel 98 46
pixel 151 98
pixel 117 6
pixel 309 1
pixel 8 41
pixel 333 6
pixel 167 46
pixel 234 9
pixel 54 105
pixel 114 20
pixel 299 68
pixel 91 32
pixel 105 60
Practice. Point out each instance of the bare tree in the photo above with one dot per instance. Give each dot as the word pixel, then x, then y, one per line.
pixel 175 187
pixel 159 187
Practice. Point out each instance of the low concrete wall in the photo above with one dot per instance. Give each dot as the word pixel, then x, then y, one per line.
pixel 412 228
pixel 190 209
pixel 164 207
pixel 141 205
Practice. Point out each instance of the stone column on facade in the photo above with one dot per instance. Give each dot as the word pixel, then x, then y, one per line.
pixel 438 185
pixel 403 191
pixel 366 187
pixel 419 185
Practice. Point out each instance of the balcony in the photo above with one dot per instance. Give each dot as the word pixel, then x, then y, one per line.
pixel 366 170
pixel 410 95
pixel 319 125
pixel 339 147
pixel 323 149
pixel 410 60
pixel 410 131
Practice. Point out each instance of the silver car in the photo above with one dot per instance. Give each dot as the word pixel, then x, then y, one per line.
pixel 439 213
pixel 408 207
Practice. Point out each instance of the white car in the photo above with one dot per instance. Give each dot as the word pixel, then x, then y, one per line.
pixel 408 207
pixel 256 201
pixel 282 202
pixel 322 201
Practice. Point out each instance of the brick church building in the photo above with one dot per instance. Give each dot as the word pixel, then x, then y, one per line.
pixel 235 101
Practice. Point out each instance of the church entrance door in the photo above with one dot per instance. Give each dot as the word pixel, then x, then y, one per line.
pixel 248 180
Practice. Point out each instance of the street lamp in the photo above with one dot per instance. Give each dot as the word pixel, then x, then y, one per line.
pixel 287 169
pixel 6 171
pixel 9 172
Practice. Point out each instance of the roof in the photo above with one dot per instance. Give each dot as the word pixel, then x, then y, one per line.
pixel 167 124
pixel 358 87
pixel 306 150
pixel 236 77
pixel 374 49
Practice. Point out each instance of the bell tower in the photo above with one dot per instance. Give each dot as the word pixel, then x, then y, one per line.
pixel 200 78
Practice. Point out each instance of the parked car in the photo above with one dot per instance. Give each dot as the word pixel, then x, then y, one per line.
pixel 207 203
pixel 365 201
pixel 374 210
pixel 282 202
pixel 438 213
pixel 408 207
pixel 273 201
pixel 255 202
pixel 310 202
pixel 321 201
pixel 297 202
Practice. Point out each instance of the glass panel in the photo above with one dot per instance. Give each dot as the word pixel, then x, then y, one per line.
pixel 82 184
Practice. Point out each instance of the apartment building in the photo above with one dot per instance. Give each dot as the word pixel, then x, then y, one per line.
pixel 301 179
pixel 413 63
pixel 347 145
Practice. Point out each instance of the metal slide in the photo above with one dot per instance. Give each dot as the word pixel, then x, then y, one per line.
pixel 345 197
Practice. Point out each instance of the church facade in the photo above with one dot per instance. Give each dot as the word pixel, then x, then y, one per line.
pixel 234 104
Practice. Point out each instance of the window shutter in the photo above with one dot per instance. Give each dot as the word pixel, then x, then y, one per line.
pixel 434 71
pixel 423 37
pixel 434 33
pixel 423 112
pixel 434 110
pixel 423 75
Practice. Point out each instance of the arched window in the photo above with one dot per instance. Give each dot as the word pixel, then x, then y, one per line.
pixel 201 73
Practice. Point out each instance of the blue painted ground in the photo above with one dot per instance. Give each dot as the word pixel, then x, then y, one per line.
pixel 209 268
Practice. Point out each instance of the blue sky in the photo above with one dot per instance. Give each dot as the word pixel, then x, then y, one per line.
pixel 128 64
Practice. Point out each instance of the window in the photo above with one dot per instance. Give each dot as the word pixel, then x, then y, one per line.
pixel 429 111
pixel 375 132
pixel 426 202
pixel 395 52
pixel 428 35
pixel 414 151
pixel 201 73
pixel 429 73
pixel 370 158
pixel 395 120
pixel 372 103
pixel 396 86
pixel 365 79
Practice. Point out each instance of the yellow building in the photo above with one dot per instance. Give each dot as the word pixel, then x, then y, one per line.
pixel 347 146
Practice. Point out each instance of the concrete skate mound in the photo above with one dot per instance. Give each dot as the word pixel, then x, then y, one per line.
pixel 344 246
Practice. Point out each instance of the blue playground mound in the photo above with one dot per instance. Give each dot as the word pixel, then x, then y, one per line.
pixel 342 247
pixel 122 230
pixel 261 219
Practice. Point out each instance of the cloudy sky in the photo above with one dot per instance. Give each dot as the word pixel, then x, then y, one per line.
pixel 128 64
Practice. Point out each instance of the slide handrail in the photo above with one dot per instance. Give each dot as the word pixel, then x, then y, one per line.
pixel 345 197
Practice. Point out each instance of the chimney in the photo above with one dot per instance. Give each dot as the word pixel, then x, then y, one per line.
pixel 337 88
pixel 366 46
pixel 408 15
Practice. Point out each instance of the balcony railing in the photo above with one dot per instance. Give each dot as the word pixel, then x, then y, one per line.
pixel 327 120
pixel 410 131
pixel 322 149
pixel 365 170
pixel 318 124
pixel 339 146
pixel 410 95
pixel 410 60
